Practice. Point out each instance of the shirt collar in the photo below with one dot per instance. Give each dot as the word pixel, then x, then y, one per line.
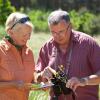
pixel 74 36
pixel 12 42
pixel 7 45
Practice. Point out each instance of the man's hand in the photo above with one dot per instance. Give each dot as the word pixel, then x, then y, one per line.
pixel 44 76
pixel 74 82
pixel 48 72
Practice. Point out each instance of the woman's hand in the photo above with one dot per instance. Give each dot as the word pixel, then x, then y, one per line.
pixel 15 84
pixel 22 85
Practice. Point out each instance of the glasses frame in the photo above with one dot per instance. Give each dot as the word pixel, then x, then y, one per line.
pixel 63 31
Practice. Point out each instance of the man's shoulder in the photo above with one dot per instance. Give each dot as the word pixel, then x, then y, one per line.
pixel 83 37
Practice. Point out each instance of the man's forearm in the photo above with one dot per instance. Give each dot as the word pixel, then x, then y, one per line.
pixel 93 79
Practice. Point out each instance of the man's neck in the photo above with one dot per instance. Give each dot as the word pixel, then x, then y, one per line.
pixel 64 47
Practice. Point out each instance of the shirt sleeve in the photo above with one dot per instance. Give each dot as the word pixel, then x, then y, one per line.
pixel 42 60
pixel 94 56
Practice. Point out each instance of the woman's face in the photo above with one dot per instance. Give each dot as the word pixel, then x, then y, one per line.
pixel 21 34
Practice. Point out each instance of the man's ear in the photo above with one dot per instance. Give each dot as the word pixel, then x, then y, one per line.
pixel 9 31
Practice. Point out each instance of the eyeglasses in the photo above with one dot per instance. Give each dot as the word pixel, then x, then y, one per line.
pixel 62 31
pixel 22 20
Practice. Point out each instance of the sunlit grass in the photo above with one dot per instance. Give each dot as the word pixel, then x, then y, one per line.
pixel 36 41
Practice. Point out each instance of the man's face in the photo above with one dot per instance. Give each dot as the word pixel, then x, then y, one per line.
pixel 61 32
pixel 21 34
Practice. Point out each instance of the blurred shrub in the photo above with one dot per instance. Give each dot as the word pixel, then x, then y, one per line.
pixel 2 31
pixel 95 30
pixel 75 19
pixel 5 10
pixel 39 20
pixel 85 22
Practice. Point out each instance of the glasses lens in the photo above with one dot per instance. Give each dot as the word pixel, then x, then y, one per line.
pixel 22 20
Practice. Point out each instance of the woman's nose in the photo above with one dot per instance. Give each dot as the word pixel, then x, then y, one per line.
pixel 28 36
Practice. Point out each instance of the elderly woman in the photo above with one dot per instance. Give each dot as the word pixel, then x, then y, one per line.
pixel 16 59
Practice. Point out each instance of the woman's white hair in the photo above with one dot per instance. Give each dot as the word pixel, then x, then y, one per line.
pixel 13 18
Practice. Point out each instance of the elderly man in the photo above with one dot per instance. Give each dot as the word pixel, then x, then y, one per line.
pixel 16 59
pixel 76 52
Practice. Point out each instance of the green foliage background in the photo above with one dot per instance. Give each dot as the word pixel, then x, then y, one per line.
pixel 5 10
pixel 39 19
pixel 86 22
pixel 83 20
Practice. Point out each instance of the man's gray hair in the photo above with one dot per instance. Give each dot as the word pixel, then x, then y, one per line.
pixel 56 16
